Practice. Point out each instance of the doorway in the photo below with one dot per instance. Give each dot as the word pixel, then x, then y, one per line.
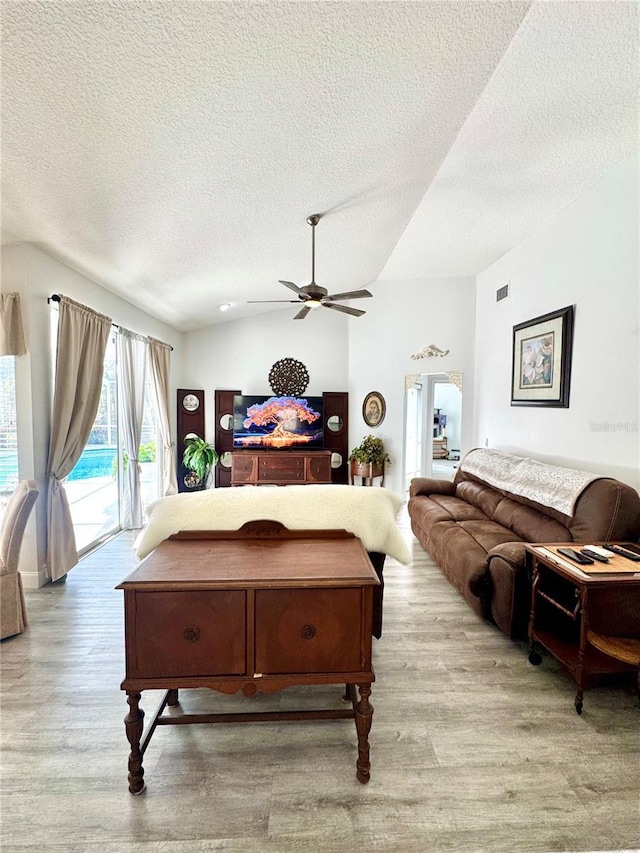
pixel 433 427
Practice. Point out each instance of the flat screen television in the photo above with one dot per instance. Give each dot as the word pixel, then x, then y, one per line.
pixel 274 423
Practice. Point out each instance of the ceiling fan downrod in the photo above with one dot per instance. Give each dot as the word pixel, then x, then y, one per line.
pixel 313 221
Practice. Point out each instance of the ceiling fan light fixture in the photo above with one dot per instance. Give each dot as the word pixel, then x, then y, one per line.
pixel 313 303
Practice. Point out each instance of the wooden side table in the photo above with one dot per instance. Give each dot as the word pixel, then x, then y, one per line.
pixel 366 471
pixel 567 603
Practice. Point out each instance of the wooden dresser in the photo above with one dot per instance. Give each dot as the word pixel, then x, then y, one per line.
pixel 280 467
pixel 253 610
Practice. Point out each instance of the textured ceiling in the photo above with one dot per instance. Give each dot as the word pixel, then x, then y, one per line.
pixel 172 151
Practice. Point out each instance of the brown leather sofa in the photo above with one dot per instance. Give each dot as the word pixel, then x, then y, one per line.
pixel 475 533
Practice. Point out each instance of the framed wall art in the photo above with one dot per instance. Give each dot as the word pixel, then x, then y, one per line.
pixel 374 409
pixel 541 360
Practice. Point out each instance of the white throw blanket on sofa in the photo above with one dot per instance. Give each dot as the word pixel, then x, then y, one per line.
pixel 549 485
pixel 367 512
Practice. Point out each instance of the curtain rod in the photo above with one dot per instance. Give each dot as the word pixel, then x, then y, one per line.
pixel 55 297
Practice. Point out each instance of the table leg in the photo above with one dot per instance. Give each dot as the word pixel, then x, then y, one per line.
pixel 582 652
pixel 363 716
pixel 134 724
pixel 172 698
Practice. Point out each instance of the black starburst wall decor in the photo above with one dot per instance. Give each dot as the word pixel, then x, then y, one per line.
pixel 288 376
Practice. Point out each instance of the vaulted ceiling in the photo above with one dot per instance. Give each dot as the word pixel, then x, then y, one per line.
pixel 172 151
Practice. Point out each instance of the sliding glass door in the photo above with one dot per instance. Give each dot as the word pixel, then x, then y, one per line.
pixel 94 488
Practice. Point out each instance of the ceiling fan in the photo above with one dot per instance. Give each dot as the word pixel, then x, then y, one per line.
pixel 314 296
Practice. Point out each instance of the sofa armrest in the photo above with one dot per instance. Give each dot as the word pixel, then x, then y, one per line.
pixel 512 552
pixel 431 486
pixel 510 588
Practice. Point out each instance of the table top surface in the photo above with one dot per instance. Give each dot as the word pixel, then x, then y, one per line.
pixel 617 570
pixel 253 563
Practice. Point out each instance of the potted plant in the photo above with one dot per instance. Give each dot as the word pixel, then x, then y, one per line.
pixel 199 457
pixel 369 458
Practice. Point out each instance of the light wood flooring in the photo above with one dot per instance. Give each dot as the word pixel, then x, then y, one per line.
pixel 472 748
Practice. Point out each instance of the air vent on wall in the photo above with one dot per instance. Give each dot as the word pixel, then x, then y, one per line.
pixel 502 292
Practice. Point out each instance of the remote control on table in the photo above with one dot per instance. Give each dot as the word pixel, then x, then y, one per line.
pixel 576 556
pixel 594 555
pixel 623 552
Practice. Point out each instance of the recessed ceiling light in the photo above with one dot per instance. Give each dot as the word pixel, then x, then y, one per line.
pixel 224 307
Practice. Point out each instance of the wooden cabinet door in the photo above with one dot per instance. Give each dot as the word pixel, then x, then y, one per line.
pixel 244 468
pixel 308 630
pixel 318 468
pixel 188 634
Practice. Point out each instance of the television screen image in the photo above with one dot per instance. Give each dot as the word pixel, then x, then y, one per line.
pixel 278 422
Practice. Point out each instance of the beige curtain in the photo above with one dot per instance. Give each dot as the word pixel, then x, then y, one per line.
pixel 82 342
pixel 11 331
pixel 159 355
pixel 132 367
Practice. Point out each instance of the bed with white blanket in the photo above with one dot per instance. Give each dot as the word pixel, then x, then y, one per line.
pixel 368 513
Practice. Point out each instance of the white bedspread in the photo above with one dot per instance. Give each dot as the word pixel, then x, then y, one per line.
pixel 367 512
pixel 549 485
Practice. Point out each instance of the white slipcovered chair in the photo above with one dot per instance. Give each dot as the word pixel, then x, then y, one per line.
pixel 13 612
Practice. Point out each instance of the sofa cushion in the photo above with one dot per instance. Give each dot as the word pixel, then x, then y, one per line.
pixel 529 523
pixel 425 513
pixel 488 534
pixel 462 560
pixel 477 494
pixel 457 509
pixel 607 511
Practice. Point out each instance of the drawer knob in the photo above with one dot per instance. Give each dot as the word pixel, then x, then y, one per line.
pixel 308 632
pixel 191 634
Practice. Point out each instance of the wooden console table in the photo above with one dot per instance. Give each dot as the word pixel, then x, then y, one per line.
pixel 253 610
pixel 280 467
pixel 569 600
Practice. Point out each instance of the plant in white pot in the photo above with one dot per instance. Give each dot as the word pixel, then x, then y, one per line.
pixel 199 457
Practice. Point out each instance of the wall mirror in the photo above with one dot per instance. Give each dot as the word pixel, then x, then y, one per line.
pixel 226 421
pixel 191 435
pixel 225 459
pixel 334 423
pixel 336 460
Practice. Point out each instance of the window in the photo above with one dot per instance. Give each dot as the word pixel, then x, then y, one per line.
pixel 148 454
pixel 8 430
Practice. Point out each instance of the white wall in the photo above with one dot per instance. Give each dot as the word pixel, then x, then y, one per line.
pixel 240 354
pixel 401 319
pixel 588 257
pixel 36 275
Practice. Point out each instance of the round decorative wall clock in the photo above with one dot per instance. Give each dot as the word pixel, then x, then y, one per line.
pixel 190 402
pixel 288 376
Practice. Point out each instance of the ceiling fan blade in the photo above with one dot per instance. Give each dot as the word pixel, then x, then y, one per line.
pixel 294 287
pixel 353 311
pixel 351 294
pixel 302 313
pixel 260 301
